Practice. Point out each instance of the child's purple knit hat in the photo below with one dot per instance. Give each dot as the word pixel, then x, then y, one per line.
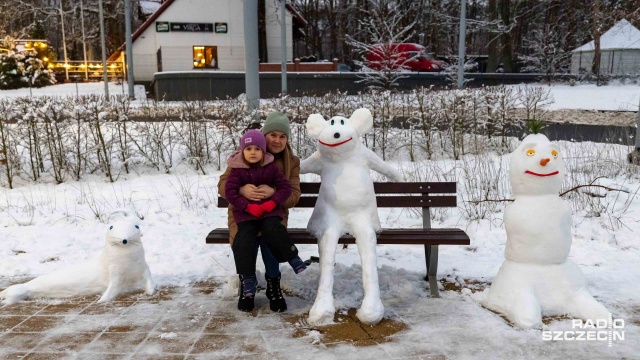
pixel 253 137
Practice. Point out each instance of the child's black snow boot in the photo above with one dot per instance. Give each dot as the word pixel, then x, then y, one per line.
pixel 274 294
pixel 246 302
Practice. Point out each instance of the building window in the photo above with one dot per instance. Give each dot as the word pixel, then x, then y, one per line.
pixel 205 57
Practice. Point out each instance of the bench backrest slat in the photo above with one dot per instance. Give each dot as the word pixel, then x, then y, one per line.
pixel 395 201
pixel 395 187
pixel 414 195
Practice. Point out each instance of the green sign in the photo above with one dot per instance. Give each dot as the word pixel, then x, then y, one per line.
pixel 221 27
pixel 162 26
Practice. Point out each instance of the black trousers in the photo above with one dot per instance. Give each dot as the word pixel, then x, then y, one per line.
pixel 274 234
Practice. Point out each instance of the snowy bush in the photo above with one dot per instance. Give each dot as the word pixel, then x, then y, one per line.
pixel 23 69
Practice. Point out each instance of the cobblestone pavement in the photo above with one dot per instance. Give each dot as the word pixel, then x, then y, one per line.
pixel 188 323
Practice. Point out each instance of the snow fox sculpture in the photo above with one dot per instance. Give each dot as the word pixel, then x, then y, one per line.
pixel 120 267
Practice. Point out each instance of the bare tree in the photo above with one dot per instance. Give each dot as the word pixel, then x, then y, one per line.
pixel 548 48
pixel 384 27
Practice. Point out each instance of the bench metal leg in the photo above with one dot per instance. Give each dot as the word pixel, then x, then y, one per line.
pixel 431 258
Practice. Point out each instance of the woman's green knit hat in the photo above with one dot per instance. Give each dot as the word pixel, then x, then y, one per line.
pixel 277 121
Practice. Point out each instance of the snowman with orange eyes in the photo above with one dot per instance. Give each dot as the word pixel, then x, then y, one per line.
pixel 536 277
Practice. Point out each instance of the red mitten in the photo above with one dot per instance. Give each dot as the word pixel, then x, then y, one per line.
pixel 268 206
pixel 255 210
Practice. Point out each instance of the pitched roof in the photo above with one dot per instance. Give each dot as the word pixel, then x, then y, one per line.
pixel 622 35
pixel 296 16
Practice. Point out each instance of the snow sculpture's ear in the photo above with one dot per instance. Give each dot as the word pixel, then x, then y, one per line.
pixel 315 125
pixel 361 120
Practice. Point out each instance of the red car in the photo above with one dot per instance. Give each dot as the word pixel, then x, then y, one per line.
pixel 405 56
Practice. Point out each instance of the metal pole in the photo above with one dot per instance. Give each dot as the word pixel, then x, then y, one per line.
pixel 64 45
pixel 634 156
pixel 283 44
pixel 129 45
pixel 84 45
pixel 638 128
pixel 251 48
pixel 104 51
pixel 462 35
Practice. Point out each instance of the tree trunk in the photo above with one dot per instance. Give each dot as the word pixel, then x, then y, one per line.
pixel 492 48
pixel 596 32
pixel 507 47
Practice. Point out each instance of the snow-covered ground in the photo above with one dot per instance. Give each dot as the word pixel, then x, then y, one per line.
pixel 44 227
pixel 73 89
pixel 616 96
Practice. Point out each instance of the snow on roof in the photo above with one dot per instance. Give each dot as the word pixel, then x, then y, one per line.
pixel 148 7
pixel 622 35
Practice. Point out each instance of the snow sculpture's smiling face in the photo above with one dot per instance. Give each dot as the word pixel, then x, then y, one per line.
pixel 536 167
pixel 124 233
pixel 339 135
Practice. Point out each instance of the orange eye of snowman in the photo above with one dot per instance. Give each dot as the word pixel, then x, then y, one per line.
pixel 531 152
pixel 554 153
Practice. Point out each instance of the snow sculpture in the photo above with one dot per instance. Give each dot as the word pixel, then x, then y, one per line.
pixel 120 267
pixel 346 204
pixel 536 277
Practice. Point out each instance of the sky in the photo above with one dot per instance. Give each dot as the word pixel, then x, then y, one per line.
pixel 46 227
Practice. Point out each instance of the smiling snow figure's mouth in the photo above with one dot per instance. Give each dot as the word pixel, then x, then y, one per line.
pixel 333 145
pixel 536 174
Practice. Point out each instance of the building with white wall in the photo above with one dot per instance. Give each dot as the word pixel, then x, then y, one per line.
pixel 205 35
pixel 620 52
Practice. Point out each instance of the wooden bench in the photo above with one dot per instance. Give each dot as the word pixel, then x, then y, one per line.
pixel 388 195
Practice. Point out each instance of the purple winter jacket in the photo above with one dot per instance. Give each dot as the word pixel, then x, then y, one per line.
pixel 266 173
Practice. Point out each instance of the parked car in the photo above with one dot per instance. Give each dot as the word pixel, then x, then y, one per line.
pixel 404 56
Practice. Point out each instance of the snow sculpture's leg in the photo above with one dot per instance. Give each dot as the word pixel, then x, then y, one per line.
pixel 114 286
pixel 149 287
pixel 525 310
pixel 584 306
pixel 371 310
pixel 323 308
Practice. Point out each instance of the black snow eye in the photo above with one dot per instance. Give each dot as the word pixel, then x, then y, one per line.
pixel 137 227
pixel 111 227
pixel 341 122
pixel 124 241
pixel 332 122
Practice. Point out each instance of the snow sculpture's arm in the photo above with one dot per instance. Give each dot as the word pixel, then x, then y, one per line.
pixel 377 164
pixel 312 164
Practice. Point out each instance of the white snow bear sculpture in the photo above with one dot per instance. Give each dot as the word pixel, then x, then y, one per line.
pixel 346 204
pixel 120 267
pixel 536 277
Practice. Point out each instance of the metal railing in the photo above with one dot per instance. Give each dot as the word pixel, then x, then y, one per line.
pixel 91 70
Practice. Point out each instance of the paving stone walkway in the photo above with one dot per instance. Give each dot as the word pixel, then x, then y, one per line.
pixel 188 323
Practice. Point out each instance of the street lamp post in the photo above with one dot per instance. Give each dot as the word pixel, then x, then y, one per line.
pixel 283 44
pixel 461 42
pixel 64 44
pixel 104 51
pixel 129 45
pixel 84 45
pixel 251 73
